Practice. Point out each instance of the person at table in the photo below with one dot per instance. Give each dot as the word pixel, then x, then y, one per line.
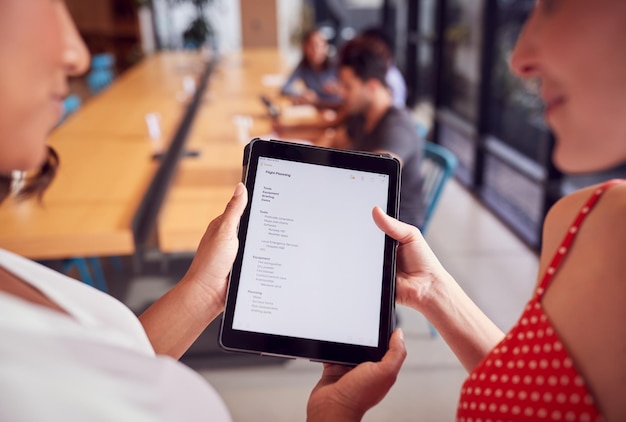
pixel 393 78
pixel 317 130
pixel 314 80
pixel 372 123
pixel 565 358
pixel 375 124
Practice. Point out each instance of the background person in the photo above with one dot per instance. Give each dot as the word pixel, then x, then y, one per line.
pixel 316 72
pixel 374 124
pixel 369 121
pixel 394 79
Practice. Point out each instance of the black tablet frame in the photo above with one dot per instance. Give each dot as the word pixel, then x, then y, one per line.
pixel 317 350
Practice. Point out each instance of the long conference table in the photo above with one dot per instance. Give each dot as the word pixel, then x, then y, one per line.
pixel 202 186
pixel 106 165
pixel 107 171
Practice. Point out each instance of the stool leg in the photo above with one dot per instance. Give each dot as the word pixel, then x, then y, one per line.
pixel 81 267
pixel 117 263
pixel 99 278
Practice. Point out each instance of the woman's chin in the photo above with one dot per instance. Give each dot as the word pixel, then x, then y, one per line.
pixel 34 161
pixel 578 164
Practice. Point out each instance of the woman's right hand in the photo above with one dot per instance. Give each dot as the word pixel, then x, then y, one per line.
pixel 424 285
pixel 345 394
pixel 418 269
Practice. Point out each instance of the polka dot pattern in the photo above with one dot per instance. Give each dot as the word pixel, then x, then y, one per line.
pixel 529 375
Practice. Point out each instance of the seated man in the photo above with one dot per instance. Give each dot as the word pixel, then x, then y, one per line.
pixel 372 123
pixel 394 78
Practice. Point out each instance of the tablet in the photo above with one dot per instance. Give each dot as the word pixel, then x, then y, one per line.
pixel 314 276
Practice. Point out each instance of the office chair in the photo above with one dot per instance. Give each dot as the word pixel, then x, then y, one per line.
pixel 437 167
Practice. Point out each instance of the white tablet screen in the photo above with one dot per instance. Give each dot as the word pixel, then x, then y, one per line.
pixel 313 260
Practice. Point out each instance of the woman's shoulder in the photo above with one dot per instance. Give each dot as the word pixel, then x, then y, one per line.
pixel 604 227
pixel 586 301
pixel 612 200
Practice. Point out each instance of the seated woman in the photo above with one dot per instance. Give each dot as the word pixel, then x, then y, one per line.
pixel 317 72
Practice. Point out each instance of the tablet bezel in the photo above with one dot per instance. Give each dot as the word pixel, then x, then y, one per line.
pixel 294 347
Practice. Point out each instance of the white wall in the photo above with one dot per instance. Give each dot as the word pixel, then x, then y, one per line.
pixel 365 3
pixel 224 16
pixel 290 15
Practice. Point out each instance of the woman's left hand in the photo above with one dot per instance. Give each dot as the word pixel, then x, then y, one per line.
pixel 345 394
pixel 218 248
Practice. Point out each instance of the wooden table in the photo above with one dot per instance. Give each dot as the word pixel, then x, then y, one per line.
pixel 106 166
pixel 203 185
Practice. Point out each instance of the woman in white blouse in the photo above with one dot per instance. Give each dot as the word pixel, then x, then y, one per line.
pixel 70 352
pixel 67 351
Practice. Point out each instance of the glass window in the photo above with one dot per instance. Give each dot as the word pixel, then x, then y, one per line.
pixel 517 146
pixel 515 111
pixel 425 72
pixel 427 22
pixel 462 57
pixel 425 51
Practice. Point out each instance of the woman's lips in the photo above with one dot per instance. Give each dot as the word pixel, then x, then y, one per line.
pixel 57 102
pixel 553 104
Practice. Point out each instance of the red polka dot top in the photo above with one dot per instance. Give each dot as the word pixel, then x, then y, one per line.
pixel 529 375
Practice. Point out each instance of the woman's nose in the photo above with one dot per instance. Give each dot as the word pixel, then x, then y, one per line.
pixel 75 53
pixel 524 58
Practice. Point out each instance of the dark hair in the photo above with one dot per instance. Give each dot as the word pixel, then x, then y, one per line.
pixel 382 35
pixel 367 58
pixel 35 185
pixel 306 37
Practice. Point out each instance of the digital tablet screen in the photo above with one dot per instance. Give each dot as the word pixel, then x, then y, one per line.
pixel 314 274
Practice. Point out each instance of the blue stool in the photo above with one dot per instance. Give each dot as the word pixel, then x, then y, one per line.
pixel 103 61
pixel 101 74
pixel 99 79
pixel 70 105
pixel 82 266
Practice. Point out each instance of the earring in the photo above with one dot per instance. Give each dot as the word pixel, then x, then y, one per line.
pixel 18 180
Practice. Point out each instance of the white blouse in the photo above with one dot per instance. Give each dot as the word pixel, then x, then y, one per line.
pixel 95 364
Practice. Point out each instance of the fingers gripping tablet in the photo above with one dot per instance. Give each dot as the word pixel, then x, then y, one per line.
pixel 314 276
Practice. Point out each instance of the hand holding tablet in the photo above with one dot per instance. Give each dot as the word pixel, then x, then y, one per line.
pixel 314 276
